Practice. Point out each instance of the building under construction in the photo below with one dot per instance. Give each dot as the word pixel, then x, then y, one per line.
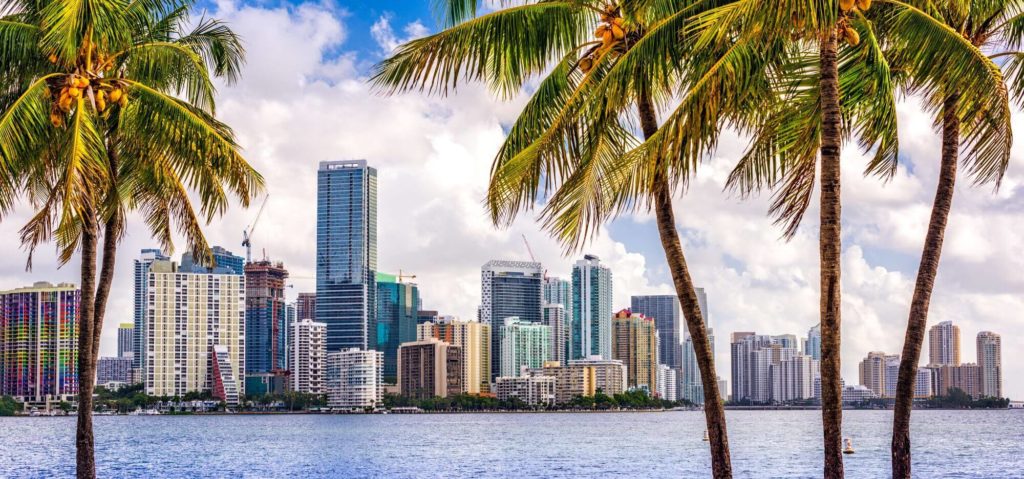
pixel 266 328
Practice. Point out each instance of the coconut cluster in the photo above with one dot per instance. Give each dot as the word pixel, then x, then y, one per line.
pixel 86 81
pixel 611 31
pixel 845 29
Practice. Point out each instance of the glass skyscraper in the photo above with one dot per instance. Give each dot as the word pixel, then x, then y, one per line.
pixel 266 327
pixel 591 309
pixel 142 264
pixel 668 319
pixel 346 253
pixel 398 307
pixel 691 386
pixel 509 289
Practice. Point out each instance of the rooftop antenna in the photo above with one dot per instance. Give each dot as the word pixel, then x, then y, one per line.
pixel 247 232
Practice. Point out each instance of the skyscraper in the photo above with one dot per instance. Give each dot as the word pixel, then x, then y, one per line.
pixel 812 345
pixel 346 253
pixel 125 340
pixel 523 345
pixel 635 343
pixel 146 258
pixel 266 327
pixel 429 368
pixel 39 343
pixel 559 291
pixel 305 306
pixel 944 344
pixel 990 360
pixel 555 318
pixel 692 386
pixel 873 371
pixel 509 289
pixel 474 341
pixel 668 318
pixel 591 309
pixel 224 262
pixel 397 308
pixel 196 325
pixel 354 379
pixel 307 361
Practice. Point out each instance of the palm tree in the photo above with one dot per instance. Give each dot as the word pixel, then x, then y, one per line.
pixel 832 82
pixel 107 106
pixel 970 98
pixel 573 145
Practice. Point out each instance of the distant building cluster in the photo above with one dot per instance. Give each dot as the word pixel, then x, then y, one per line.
pixel 220 324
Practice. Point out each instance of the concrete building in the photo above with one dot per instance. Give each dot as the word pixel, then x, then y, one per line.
pixel 266 328
pixel 195 323
pixel 990 361
pixel 39 343
pixel 346 253
pixel 114 370
pixel 559 291
pixel 555 317
pixel 692 387
pixel 584 377
pixel 355 379
pixel 509 289
pixel 966 377
pixel 532 390
pixel 923 386
pixel 141 297
pixel 125 340
pixel 473 339
pixel 523 345
pixel 430 368
pixel 668 318
pixel 872 373
pixel 398 305
pixel 944 344
pixel 591 309
pixel 753 356
pixel 308 358
pixel 305 306
pixel 857 393
pixel 792 379
pixel 668 386
pixel 812 343
pixel 635 343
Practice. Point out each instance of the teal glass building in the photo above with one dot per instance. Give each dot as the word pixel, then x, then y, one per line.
pixel 398 307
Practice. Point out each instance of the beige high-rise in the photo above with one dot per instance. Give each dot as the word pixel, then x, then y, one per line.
pixel 474 339
pixel 990 360
pixel 187 316
pixel 584 377
pixel 944 344
pixel 429 368
pixel 635 343
pixel 873 371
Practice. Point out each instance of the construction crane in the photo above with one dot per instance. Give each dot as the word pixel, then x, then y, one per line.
pixel 402 275
pixel 530 251
pixel 247 233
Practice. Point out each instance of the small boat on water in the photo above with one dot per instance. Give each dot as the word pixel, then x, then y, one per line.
pixel 706 436
pixel 848 446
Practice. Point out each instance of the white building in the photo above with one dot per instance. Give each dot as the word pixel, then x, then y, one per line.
pixel 857 393
pixel 591 309
pixel 555 316
pixel 355 379
pixel 532 390
pixel 307 356
pixel 668 385
pixel 190 317
pixel 793 378
pixel 990 360
pixel 523 345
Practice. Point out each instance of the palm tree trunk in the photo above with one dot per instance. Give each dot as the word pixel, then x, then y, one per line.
pixel 830 250
pixel 111 235
pixel 84 443
pixel 714 412
pixel 926 273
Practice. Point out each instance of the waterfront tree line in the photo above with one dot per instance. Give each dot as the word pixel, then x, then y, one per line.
pixel 632 400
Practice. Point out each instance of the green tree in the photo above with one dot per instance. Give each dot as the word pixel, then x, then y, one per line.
pixel 8 406
pixel 569 145
pixel 106 106
pixel 970 97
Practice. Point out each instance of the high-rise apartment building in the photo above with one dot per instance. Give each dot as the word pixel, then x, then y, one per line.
pixel 990 361
pixel 691 385
pixel 221 261
pixel 966 377
pixel 812 344
pixel 591 309
pixel 793 378
pixel 555 317
pixel 509 289
pixel 635 343
pixel 944 344
pixel 531 390
pixel 346 253
pixel 355 379
pixel 266 327
pixel 872 372
pixel 584 377
pixel 117 370
pixel 473 339
pixel 668 386
pixel 39 343
pixel 668 318
pixel 195 324
pixel 305 306
pixel 429 368
pixel 523 345
pixel 308 356
pixel 754 357
pixel 125 340
pixel 141 277
pixel 397 308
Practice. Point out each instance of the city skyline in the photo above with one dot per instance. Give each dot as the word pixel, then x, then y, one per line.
pixel 434 168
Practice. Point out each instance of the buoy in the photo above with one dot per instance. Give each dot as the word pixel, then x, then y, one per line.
pixel 706 436
pixel 848 448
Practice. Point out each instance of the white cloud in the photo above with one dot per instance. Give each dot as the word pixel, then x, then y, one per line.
pixel 386 38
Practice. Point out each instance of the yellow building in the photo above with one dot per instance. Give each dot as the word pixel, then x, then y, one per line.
pixel 196 332
pixel 584 377
pixel 474 339
pixel 635 343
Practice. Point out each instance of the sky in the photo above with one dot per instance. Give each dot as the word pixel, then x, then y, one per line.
pixel 304 99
